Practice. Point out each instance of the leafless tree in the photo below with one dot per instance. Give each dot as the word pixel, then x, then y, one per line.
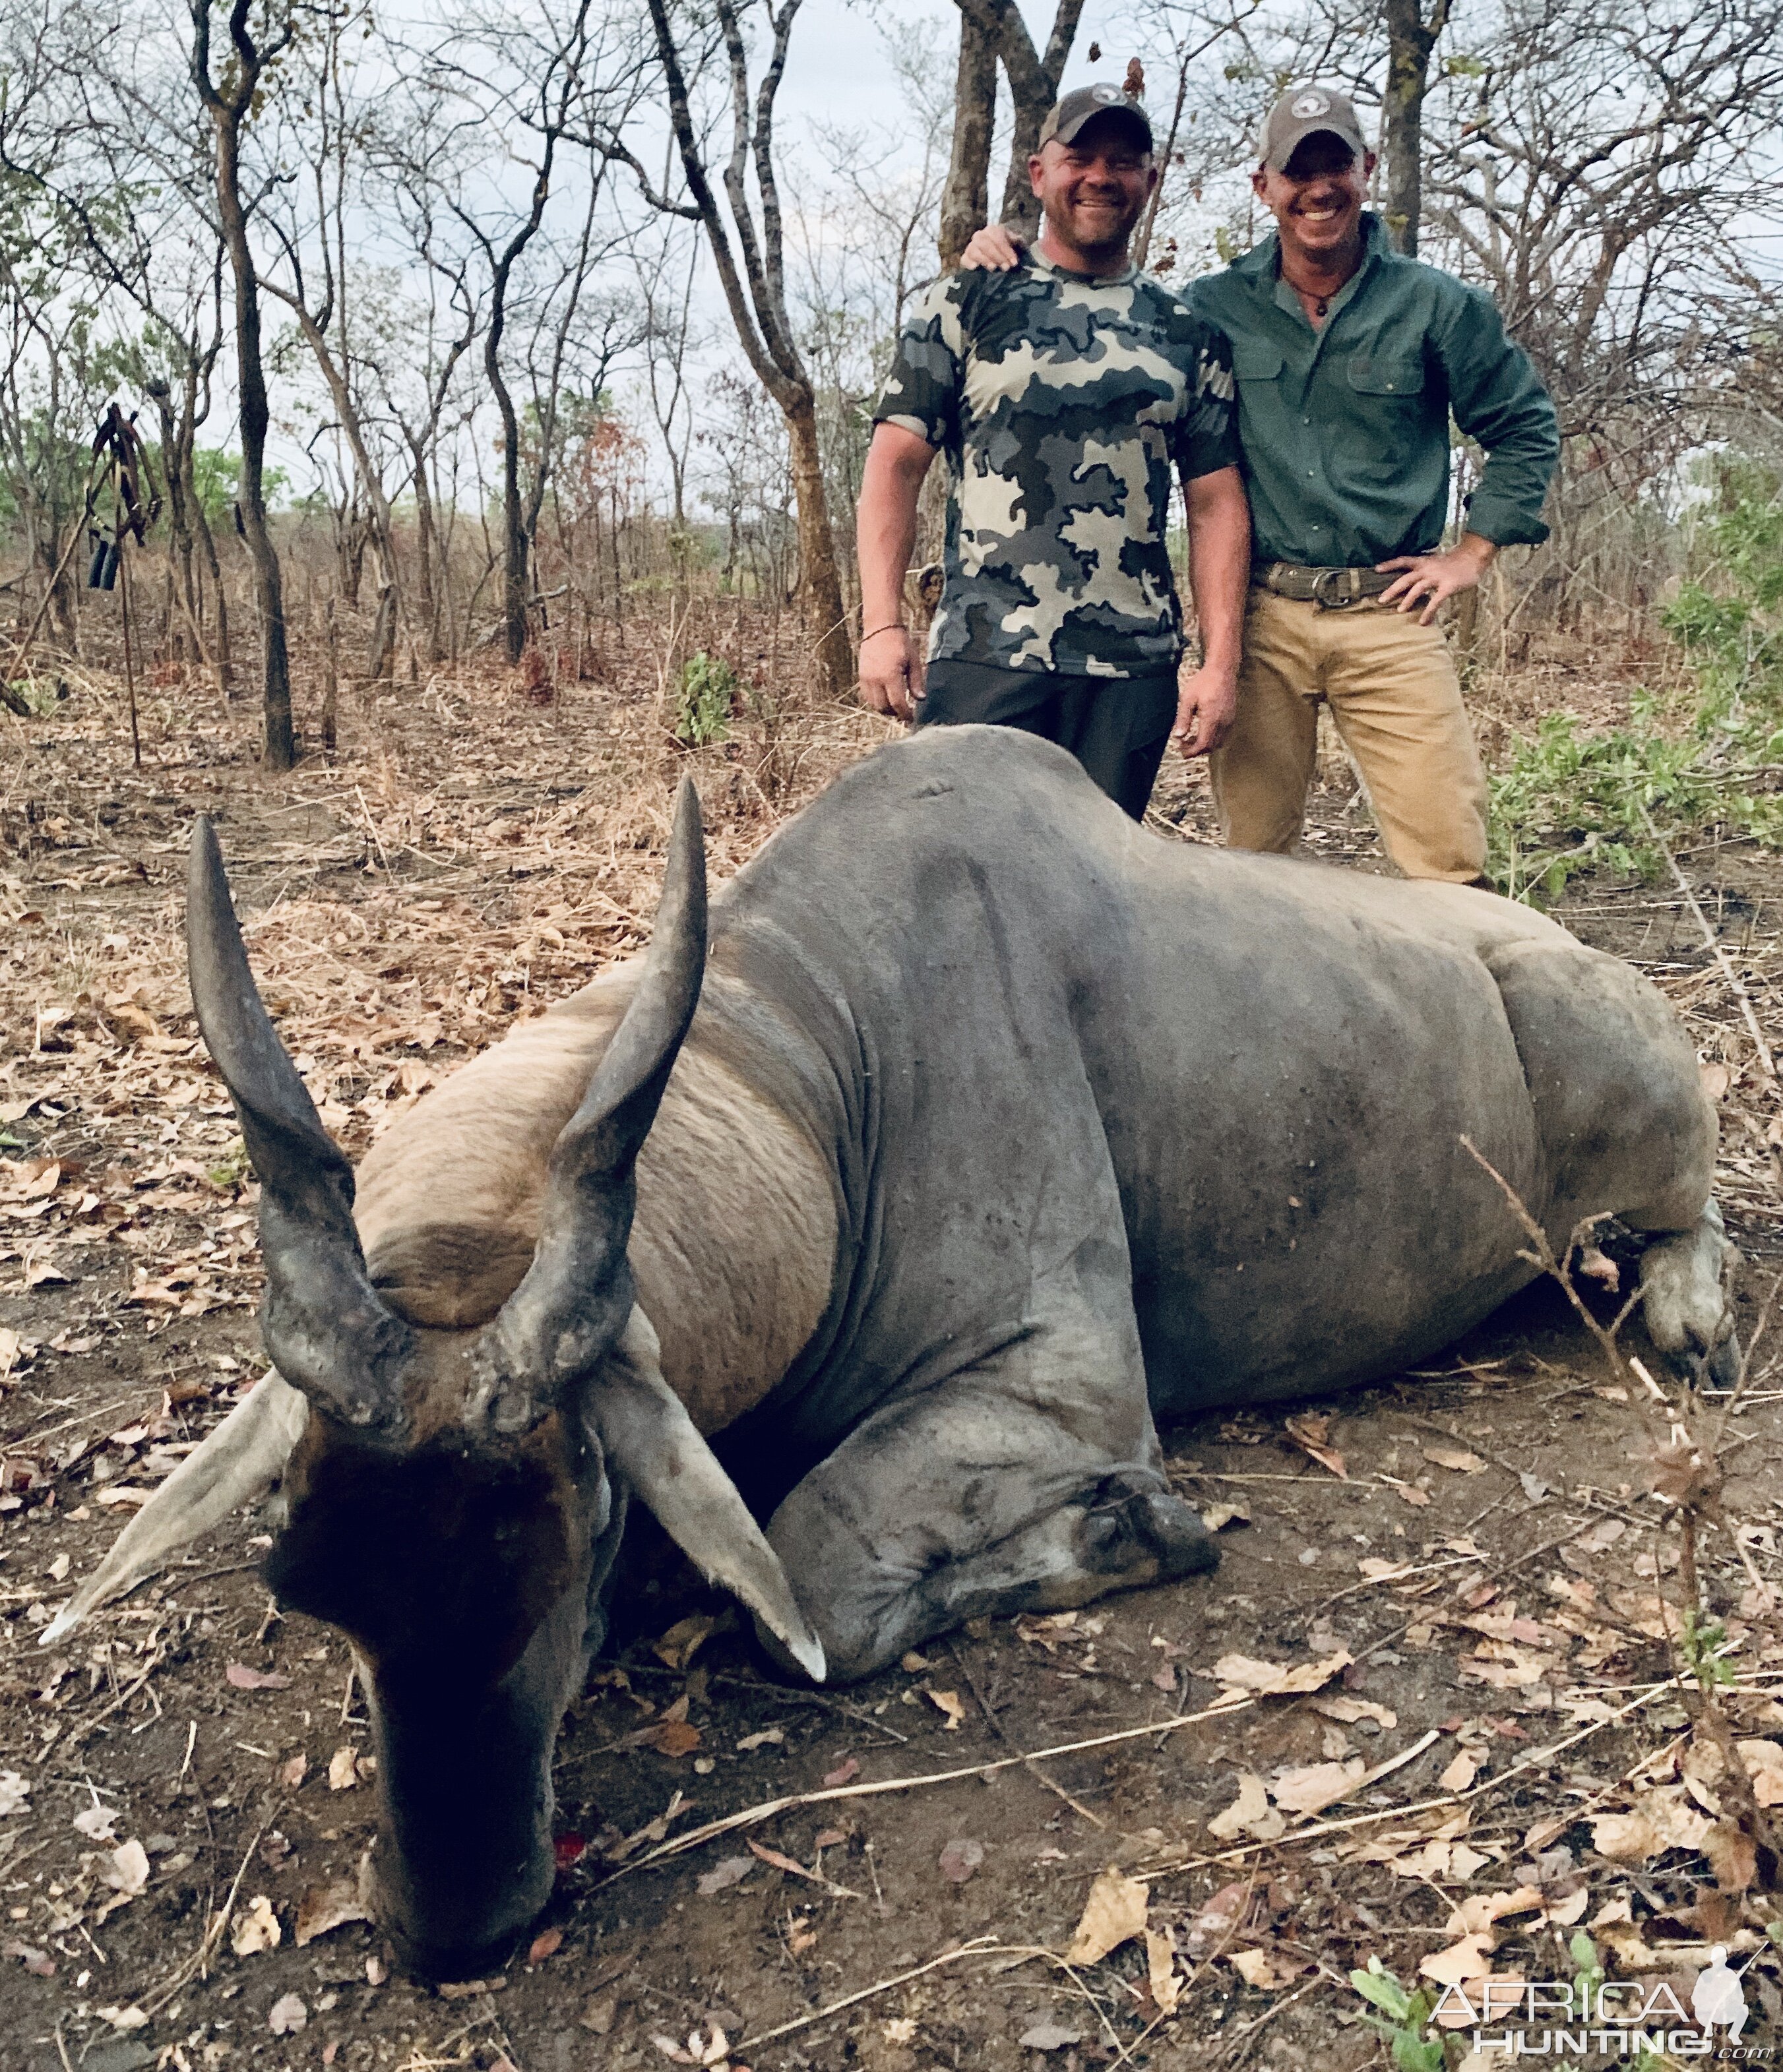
pixel 747 241
pixel 227 96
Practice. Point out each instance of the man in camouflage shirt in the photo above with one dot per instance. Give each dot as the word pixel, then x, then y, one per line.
pixel 1062 394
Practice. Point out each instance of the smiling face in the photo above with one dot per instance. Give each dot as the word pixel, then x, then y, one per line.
pixel 1317 201
pixel 1092 190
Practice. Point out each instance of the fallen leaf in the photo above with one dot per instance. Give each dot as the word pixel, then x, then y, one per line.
pixel 97 1823
pixel 1460 1773
pixel 1471 1958
pixel 130 1869
pixel 1456 1459
pixel 911 1662
pixel 15 1793
pixel 1267 1970
pixel 124 2018
pixel 288 2016
pixel 729 1871
pixel 684 1639
pixel 257 1929
pixel 1113 1913
pixel 1533 1487
pixel 949 1702
pixel 960 1859
pixel 1272 1680
pixel 38 1962
pixel 829 1838
pixel 1216 1517
pixel 291 1771
pixel 1732 1856
pixel 342 1770
pixel 1047 2035
pixel 1624 1838
pixel 672 1738
pixel 1764 1761
pixel 1249 1814
pixel 1316 1785
pixel 245 1678
pixel 1340 1706
pixel 1166 1989
pixel 1477 1912
pixel 1598 1266
pixel 1407 1494
pixel 1309 1431
pixel 546 1943
pixel 844 1773
pixel 599 2015
pixel 328 1906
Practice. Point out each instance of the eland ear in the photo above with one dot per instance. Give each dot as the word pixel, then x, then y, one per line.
pixel 241 1459
pixel 648 1437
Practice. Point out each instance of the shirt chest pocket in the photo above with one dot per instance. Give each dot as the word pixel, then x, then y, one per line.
pixel 1256 362
pixel 1378 375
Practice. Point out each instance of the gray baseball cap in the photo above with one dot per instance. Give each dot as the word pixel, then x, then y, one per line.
pixel 1303 112
pixel 1083 104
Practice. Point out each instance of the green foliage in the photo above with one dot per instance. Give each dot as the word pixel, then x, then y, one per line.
pixel 1403 2020
pixel 703 699
pixel 231 1170
pixel 1703 1634
pixel 1572 801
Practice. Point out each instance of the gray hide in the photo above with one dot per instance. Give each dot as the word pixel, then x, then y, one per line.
pixel 1119 1127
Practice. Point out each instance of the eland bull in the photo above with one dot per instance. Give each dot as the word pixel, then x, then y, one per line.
pixel 980 1129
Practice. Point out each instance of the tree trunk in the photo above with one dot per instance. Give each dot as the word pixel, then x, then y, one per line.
pixel 1410 39
pixel 1034 80
pixel 280 739
pixel 965 203
pixel 820 583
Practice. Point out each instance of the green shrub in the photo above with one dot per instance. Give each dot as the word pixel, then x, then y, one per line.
pixel 1572 801
pixel 703 699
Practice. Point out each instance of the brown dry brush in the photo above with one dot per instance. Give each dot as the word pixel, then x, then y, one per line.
pixel 1683 1457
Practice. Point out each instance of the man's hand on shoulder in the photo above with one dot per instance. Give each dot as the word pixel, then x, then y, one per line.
pixel 1429 578
pixel 1206 703
pixel 994 248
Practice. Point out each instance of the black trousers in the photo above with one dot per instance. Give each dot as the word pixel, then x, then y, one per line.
pixel 1118 727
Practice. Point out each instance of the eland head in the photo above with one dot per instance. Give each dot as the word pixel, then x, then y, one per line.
pixel 455 1499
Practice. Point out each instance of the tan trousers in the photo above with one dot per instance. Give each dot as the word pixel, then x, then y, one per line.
pixel 1396 700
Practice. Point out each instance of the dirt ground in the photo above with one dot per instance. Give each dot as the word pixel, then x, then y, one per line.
pixel 1463 1563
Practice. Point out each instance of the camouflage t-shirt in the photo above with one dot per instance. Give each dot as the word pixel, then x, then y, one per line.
pixel 1061 403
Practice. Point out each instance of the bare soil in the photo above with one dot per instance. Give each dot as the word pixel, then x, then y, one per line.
pixel 1487 1555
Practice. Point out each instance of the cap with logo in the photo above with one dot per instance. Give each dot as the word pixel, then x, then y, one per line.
pixel 1303 112
pixel 1083 104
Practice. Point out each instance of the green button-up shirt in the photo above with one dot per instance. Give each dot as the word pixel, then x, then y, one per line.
pixel 1345 428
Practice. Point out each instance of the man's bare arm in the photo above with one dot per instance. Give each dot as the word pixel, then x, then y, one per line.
pixel 891 671
pixel 1219 570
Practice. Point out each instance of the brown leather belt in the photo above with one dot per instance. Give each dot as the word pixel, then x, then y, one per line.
pixel 1330 588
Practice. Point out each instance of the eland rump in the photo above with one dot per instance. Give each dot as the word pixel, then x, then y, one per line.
pixel 1002 1126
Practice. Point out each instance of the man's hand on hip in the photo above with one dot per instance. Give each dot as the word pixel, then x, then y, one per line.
pixel 1427 579
pixel 891 673
pixel 994 248
pixel 1206 703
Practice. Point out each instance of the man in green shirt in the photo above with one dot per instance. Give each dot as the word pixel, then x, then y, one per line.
pixel 1350 360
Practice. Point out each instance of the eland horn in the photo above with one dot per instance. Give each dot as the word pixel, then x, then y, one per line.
pixel 577 1293
pixel 328 1331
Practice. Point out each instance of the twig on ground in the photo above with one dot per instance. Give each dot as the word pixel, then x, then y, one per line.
pixel 996 1727
pixel 751 1816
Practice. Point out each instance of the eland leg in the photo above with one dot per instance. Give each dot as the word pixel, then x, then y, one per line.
pixel 1016 1485
pixel 1686 1278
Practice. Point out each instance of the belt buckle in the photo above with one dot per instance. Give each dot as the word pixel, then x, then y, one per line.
pixel 1324 583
